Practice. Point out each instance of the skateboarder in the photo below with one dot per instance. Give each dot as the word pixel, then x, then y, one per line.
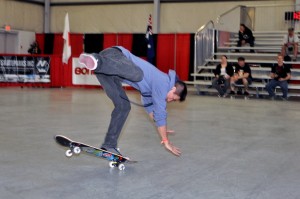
pixel 117 65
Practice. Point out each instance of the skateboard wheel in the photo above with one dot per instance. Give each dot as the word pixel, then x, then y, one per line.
pixel 121 167
pixel 76 150
pixel 69 153
pixel 112 164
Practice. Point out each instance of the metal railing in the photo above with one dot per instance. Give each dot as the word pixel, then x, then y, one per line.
pixel 204 44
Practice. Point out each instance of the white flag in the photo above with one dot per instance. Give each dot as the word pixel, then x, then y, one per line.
pixel 67 47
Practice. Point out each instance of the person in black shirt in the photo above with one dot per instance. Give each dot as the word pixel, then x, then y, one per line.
pixel 242 76
pixel 280 74
pixel 223 74
pixel 245 36
pixel 34 48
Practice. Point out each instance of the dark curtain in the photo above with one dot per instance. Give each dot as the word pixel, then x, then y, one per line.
pixel 48 43
pixel 139 46
pixel 93 43
pixel 192 56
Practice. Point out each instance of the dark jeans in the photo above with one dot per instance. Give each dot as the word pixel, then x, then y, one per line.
pixel 222 89
pixel 112 67
pixel 249 41
pixel 273 84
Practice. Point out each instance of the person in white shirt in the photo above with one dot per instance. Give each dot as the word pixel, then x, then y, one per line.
pixel 290 44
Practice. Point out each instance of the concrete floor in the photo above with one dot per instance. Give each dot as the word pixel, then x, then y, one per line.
pixel 232 149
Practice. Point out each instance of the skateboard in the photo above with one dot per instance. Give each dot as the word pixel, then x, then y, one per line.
pixel 76 148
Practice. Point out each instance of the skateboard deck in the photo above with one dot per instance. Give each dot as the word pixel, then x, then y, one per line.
pixel 75 147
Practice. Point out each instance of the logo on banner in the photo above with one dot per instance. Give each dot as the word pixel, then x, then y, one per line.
pixel 81 75
pixel 42 65
pixel 83 71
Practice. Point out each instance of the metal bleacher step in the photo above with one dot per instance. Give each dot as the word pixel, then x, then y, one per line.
pixel 247 54
pixel 263 69
pixel 273 43
pixel 249 61
pixel 255 76
pixel 267 35
pixel 247 49
pixel 253 85
pixel 259 39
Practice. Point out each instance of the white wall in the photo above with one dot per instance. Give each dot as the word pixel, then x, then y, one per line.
pixel 175 17
pixel 102 18
pixel 132 18
pixel 22 16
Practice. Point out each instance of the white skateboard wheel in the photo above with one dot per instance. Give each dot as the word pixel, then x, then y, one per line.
pixel 69 153
pixel 121 167
pixel 77 150
pixel 112 164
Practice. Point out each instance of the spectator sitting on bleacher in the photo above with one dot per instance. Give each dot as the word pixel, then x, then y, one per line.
pixel 242 76
pixel 280 74
pixel 290 45
pixel 223 74
pixel 245 36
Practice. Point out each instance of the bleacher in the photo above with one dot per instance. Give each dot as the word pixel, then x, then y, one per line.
pixel 267 46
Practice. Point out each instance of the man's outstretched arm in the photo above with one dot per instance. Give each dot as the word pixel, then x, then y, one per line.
pixel 162 130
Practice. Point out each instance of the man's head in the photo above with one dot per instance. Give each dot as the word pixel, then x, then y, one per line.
pixel 280 59
pixel 224 59
pixel 178 92
pixel 291 32
pixel 241 61
pixel 242 27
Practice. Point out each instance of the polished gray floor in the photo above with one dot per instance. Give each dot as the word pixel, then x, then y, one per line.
pixel 231 149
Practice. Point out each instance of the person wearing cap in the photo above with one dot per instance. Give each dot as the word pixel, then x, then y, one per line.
pixel 116 65
pixel 290 45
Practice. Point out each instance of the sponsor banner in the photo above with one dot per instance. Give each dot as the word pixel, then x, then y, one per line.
pixel 81 75
pixel 24 69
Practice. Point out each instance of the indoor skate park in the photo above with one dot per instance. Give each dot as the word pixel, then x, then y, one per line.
pixel 233 146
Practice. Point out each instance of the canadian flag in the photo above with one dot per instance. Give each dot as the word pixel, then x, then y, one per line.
pixel 66 36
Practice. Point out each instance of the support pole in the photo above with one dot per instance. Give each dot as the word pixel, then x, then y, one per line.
pixel 47 16
pixel 156 17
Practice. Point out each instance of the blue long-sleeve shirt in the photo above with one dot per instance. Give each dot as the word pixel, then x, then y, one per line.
pixel 154 87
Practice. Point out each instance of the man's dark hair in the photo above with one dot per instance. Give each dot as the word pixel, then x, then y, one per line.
pixel 244 26
pixel 181 90
pixel 241 59
pixel 225 56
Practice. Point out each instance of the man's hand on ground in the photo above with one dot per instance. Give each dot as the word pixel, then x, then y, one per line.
pixel 176 151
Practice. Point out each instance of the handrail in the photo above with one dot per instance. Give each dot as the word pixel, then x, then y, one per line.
pixel 199 31
pixel 204 26
pixel 228 11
